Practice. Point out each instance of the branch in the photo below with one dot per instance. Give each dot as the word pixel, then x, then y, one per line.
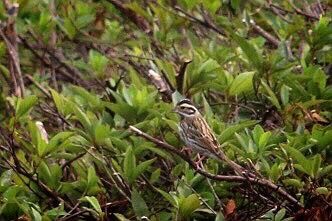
pixel 297 10
pixel 138 20
pixel 39 86
pixel 159 81
pixel 156 79
pixel 207 23
pixel 61 59
pixel 300 12
pixel 230 178
pixel 9 36
pixel 161 84
pixel 270 38
pixel 61 69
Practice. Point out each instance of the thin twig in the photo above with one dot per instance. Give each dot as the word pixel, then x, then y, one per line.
pixel 236 104
pixel 300 12
pixel 205 23
pixel 67 163
pixel 297 10
pixel 138 20
pixel 270 38
pixel 14 59
pixel 60 70
pixel 9 35
pixel 39 86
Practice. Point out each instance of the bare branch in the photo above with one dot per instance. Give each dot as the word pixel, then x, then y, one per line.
pixel 160 83
pixel 205 23
pixel 270 38
pixel 300 12
pixel 9 35
pixel 39 86
pixel 138 20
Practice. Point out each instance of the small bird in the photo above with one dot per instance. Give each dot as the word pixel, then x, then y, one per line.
pixel 196 134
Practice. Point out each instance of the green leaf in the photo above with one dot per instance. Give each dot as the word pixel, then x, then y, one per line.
pixel 219 217
pixel 284 94
pixel 326 171
pixel 235 4
pixel 37 140
pixel 154 176
pixel 98 63
pixel 188 205
pixel 139 205
pixel 60 103
pixel 23 106
pixel 68 28
pixel 36 215
pixel 322 190
pixel 191 3
pixel 129 165
pixel 101 133
pixel 301 159
pixel 82 117
pixel 45 173
pixel 92 178
pixel 263 140
pixel 280 214
pixel 250 51
pixel 275 172
pixel 293 182
pixel 93 202
pixel 242 83
pixel 271 95
pixel 142 167
pixel 230 130
pixel 213 5
pixel 316 165
pixel 167 196
pixel 121 217
pixel 257 133
pixel 58 141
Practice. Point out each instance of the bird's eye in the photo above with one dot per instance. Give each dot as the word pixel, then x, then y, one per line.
pixel 181 107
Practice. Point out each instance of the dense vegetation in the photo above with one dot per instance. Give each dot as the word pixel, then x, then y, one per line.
pixel 87 91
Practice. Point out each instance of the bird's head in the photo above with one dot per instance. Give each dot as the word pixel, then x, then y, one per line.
pixel 185 108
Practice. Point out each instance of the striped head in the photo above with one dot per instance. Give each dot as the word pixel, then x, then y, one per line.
pixel 185 108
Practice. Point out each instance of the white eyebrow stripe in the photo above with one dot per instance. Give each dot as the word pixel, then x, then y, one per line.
pixel 189 106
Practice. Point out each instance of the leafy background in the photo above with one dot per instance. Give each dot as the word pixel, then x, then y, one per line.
pixel 76 74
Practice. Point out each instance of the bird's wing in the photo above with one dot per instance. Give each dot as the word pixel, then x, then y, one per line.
pixel 203 135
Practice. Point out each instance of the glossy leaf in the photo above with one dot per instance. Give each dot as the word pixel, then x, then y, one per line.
pixel 242 83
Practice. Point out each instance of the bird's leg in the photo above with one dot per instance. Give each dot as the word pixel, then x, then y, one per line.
pixel 186 150
pixel 199 162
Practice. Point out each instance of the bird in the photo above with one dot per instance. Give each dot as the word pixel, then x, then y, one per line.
pixel 196 133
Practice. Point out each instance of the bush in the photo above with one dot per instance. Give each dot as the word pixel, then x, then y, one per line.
pixel 87 92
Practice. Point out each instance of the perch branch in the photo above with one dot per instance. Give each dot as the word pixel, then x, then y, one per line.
pixel 229 178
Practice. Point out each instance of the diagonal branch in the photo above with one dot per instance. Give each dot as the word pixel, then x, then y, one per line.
pixel 229 178
pixel 138 20
pixel 273 40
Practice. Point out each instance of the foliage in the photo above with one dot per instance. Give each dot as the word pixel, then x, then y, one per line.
pixel 259 71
